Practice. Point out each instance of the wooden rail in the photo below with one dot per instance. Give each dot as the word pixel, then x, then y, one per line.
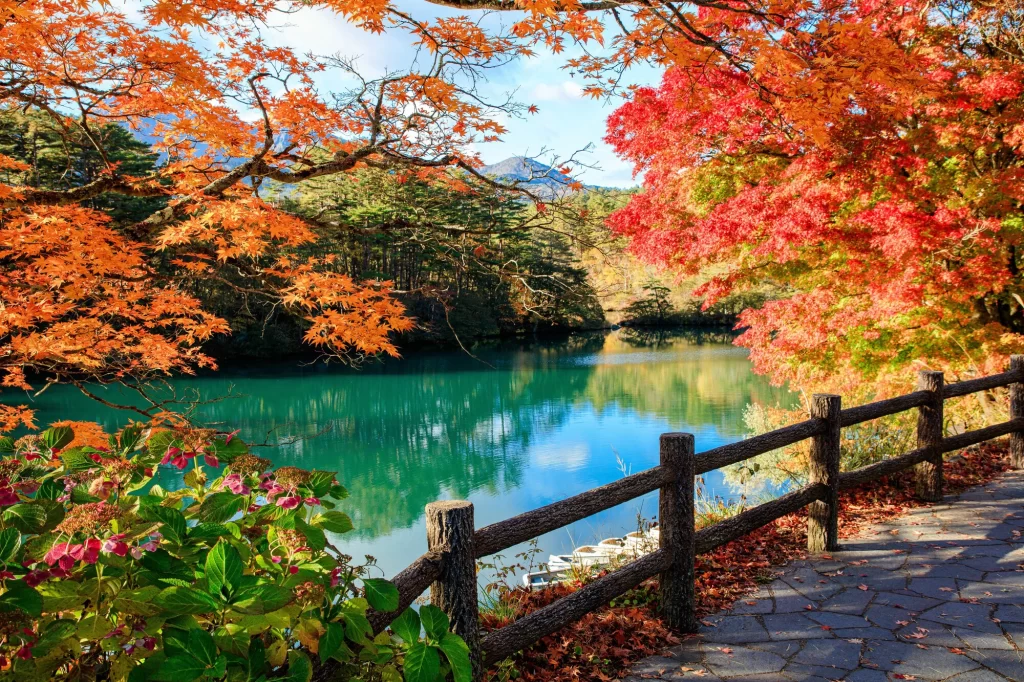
pixel 447 568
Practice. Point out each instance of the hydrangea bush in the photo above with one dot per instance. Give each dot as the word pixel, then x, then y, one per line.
pixel 107 576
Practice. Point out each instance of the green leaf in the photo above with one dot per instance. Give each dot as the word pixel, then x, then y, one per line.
pixel 49 490
pixel 180 668
pixel 52 635
pixel 435 622
pixel 232 638
pixel 220 507
pixel 333 521
pixel 28 518
pixel 76 461
pixel 407 626
pixel 21 596
pixel 158 444
pixel 389 673
pixel 57 437
pixel 320 482
pixel 185 600
pixel 138 602
pixel 330 641
pixel 202 646
pixel 457 653
pixel 223 569
pixel 315 537
pixel 10 541
pixel 61 595
pixel 357 627
pixel 226 451
pixel 6 445
pixel 174 527
pixel 94 627
pixel 208 531
pixel 175 639
pixel 257 658
pixel 163 567
pixel 300 669
pixel 382 594
pixel 129 437
pixel 422 664
pixel 259 599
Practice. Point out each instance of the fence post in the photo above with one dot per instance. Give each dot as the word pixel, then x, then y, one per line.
pixel 450 526
pixel 929 432
pixel 823 515
pixel 1016 412
pixel 677 533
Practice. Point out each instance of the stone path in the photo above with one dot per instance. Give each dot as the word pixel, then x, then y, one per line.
pixel 937 594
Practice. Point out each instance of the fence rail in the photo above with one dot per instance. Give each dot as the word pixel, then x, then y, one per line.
pixel 455 544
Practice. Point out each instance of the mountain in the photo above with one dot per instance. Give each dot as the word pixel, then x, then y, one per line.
pixel 540 178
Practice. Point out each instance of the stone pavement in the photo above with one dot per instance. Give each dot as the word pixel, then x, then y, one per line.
pixel 937 594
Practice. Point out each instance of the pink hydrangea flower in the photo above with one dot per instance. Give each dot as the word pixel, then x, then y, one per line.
pixel 233 482
pixel 290 502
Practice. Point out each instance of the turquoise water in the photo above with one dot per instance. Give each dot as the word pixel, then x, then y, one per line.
pixel 517 427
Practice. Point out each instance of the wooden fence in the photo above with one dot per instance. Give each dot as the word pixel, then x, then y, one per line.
pixel 448 567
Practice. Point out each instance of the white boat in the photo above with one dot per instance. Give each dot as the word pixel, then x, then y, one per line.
pixel 601 554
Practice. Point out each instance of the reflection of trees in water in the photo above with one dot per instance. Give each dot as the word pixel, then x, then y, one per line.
pixel 405 434
pixel 708 384
pixel 401 440
pixel 662 337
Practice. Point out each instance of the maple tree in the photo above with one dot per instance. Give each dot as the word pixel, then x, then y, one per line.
pixel 86 297
pixel 866 158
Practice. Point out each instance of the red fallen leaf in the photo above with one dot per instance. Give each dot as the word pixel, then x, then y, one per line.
pixel 751 603
pixel 863 588
pixel 825 627
pixel 903 676
pixel 956 650
pixel 808 608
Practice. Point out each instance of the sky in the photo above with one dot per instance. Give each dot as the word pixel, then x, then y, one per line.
pixel 565 123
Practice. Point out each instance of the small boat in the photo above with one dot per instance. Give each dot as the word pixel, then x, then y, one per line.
pixel 538 580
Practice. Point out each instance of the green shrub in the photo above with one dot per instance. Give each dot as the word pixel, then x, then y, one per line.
pixel 107 576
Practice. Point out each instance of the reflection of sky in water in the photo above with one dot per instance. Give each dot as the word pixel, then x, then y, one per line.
pixel 538 423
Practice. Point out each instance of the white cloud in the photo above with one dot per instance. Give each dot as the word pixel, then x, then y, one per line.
pixel 560 92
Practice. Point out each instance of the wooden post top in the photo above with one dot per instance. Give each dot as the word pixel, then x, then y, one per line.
pixel 448 505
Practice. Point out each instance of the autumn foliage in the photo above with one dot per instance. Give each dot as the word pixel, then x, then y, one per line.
pixel 864 157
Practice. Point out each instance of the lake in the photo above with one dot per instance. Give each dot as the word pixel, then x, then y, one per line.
pixel 516 427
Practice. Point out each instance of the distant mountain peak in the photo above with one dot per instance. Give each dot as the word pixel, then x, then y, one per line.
pixel 541 178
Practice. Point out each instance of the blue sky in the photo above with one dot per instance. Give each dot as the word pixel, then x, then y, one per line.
pixel 565 123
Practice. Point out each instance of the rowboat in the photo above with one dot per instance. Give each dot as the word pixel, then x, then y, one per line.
pixel 603 553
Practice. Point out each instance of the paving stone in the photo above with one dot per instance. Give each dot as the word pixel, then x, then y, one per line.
pixel 759 605
pixel 1008 663
pixel 864 633
pixel 888 617
pixel 936 588
pixel 735 629
pixel 742 661
pixel 980 675
pixel 655 665
pixel 829 653
pixel 867 675
pixel 793 626
pixel 908 602
pixel 960 614
pixel 935 634
pixel 810 673
pixel 784 649
pixel 838 620
pixel 934 663
pixel 850 601
pixel 1010 613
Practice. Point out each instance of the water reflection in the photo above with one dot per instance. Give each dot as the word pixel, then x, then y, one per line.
pixel 520 427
